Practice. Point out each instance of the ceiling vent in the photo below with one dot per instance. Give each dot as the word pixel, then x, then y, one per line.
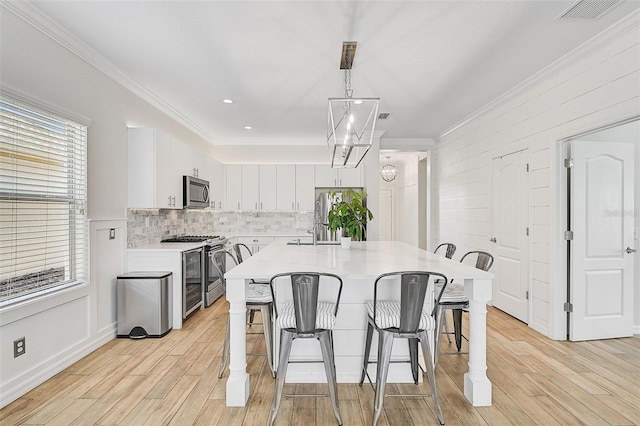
pixel 589 9
pixel 383 115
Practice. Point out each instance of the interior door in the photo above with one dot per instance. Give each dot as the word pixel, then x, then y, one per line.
pixel 511 234
pixel 601 252
pixel 385 215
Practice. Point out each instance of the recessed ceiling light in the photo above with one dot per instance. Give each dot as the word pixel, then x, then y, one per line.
pixel 248 127
pixel 227 101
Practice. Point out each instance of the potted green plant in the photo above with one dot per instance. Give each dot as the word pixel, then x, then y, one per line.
pixel 349 213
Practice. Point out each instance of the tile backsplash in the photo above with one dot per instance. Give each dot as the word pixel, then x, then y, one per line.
pixel 149 226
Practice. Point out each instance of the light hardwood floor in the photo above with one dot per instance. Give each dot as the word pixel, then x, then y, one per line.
pixel 173 380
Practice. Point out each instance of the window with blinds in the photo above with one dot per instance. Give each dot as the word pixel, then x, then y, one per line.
pixel 43 198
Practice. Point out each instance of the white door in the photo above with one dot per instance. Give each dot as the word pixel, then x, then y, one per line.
pixel 385 215
pixel 511 234
pixel 601 258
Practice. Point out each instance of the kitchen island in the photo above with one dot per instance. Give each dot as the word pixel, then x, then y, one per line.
pixel 358 267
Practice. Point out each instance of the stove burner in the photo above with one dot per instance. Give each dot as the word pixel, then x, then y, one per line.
pixel 192 239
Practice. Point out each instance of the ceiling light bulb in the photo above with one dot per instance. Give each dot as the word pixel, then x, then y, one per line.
pixel 351 119
pixel 357 102
pixel 227 101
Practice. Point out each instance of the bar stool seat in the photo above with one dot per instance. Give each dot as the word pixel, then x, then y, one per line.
pixel 388 315
pixel 325 318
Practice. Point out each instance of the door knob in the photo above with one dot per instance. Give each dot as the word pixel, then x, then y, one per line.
pixel 493 240
pixel 631 250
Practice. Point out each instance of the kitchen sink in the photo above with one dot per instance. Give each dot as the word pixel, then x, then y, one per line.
pixel 320 243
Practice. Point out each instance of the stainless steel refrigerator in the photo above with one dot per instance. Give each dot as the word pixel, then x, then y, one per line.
pixel 323 205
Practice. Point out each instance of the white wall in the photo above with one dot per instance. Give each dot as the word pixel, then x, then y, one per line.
pixel 65 326
pixel 597 85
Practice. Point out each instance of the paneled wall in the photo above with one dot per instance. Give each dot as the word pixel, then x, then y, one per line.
pixel 597 85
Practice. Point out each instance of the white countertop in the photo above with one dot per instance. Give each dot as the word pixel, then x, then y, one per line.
pixel 365 259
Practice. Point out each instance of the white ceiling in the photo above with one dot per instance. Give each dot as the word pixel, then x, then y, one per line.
pixel 432 63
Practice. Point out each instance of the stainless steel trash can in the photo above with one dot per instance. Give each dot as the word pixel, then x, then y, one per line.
pixel 144 304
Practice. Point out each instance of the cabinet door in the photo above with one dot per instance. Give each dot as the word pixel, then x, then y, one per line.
pixel 168 181
pixel 350 177
pixel 233 185
pixel 250 187
pixel 216 173
pixel 286 187
pixel 305 188
pixel 268 184
pixel 325 176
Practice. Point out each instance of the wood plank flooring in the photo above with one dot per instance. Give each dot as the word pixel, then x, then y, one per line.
pixel 173 381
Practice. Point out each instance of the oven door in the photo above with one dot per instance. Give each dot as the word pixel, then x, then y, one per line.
pixel 213 286
pixel 192 280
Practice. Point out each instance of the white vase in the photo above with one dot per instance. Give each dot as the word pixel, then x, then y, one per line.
pixel 345 242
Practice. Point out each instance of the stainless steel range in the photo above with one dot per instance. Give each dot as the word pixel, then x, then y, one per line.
pixel 201 283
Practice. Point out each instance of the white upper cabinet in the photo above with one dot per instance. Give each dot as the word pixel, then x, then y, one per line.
pixel 286 187
pixel 250 195
pixel 268 187
pixel 326 177
pixel 217 182
pixel 233 185
pixel 153 181
pixel 305 188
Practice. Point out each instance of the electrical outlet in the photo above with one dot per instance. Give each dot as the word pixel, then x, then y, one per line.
pixel 112 234
pixel 19 347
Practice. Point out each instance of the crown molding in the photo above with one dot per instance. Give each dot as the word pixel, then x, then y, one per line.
pixel 26 11
pixel 628 23
pixel 406 144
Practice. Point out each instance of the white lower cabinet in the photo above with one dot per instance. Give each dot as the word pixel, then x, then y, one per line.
pixel 255 243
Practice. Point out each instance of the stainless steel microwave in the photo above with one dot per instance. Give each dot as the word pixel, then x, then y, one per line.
pixel 195 193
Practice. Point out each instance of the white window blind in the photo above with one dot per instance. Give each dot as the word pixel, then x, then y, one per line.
pixel 43 197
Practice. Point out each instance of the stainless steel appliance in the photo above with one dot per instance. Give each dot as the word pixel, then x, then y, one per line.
pixel 211 285
pixel 323 205
pixel 144 304
pixel 195 193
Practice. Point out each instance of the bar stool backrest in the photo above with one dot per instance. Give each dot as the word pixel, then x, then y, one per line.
pixel 238 248
pixel 305 289
pixel 483 261
pixel 450 249
pixel 413 290
pixel 220 260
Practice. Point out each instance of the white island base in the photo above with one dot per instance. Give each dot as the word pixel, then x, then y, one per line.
pixel 358 267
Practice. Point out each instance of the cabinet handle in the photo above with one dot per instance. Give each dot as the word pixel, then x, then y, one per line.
pixel 195 172
pixel 220 205
pixel 169 201
pixel 238 205
pixel 256 205
pixel 260 205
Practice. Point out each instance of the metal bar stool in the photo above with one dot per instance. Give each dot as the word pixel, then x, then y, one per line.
pixel 258 298
pixel 242 253
pixel 305 317
pixel 450 250
pixel 404 319
pixel 453 298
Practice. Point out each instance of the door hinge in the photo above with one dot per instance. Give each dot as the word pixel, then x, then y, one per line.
pixel 568 235
pixel 527 166
pixel 526 294
pixel 568 307
pixel 568 162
